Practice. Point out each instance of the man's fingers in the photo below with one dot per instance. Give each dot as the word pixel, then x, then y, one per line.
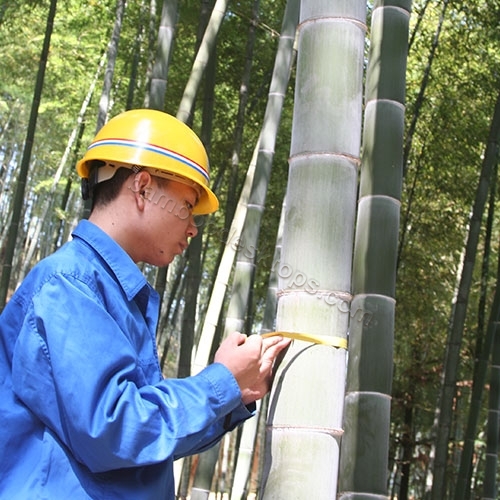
pixel 276 341
pixel 238 338
pixel 268 342
pixel 255 342
pixel 272 349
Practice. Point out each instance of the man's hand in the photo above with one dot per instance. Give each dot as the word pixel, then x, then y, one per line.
pixel 251 360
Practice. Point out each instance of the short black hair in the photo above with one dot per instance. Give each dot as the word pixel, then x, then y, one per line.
pixel 106 191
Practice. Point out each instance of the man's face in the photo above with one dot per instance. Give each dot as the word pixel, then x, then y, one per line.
pixel 169 221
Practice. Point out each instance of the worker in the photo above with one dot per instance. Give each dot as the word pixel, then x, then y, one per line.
pixel 85 410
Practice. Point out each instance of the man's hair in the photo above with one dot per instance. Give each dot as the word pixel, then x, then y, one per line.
pixel 105 192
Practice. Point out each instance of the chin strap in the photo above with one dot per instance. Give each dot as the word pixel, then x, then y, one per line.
pixel 86 190
pixel 88 184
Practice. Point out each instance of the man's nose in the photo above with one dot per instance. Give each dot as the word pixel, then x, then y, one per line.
pixel 192 229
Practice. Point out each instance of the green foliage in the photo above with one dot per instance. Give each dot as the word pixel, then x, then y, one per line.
pixel 445 162
pixel 440 182
pixel 75 50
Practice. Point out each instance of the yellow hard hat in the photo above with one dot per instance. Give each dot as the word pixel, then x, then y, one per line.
pixel 156 141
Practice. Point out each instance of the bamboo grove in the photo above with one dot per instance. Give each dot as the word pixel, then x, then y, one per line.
pixel 354 147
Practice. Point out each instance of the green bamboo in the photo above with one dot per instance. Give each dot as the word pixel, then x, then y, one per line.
pixel 459 309
pixel 483 353
pixel 201 60
pixel 47 204
pixel 22 176
pixel 166 32
pixel 105 98
pixel 247 244
pixel 219 289
pixel 365 445
pixel 232 189
pixel 251 429
pixel 490 487
pixel 305 410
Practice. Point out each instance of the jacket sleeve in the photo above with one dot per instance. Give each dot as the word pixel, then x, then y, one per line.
pixel 79 372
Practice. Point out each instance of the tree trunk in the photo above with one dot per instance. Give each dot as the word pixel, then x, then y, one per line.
pixel 207 45
pixel 365 444
pixel 48 200
pixel 490 487
pixel 459 309
pixel 240 116
pixel 248 244
pixel 483 352
pixel 305 410
pixel 423 87
pixel 224 270
pixel 417 107
pixel 110 68
pixel 22 176
pixel 166 34
pixel 251 432
pixel 407 444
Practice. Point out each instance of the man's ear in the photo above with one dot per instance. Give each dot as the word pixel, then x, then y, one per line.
pixel 141 187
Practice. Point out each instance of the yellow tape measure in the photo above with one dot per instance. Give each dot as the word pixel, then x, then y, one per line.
pixel 339 342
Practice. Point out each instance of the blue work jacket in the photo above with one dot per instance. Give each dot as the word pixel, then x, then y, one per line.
pixel 84 409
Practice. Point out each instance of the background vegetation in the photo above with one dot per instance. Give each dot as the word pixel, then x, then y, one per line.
pixel 453 80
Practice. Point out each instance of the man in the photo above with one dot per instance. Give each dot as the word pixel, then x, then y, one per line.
pixel 85 410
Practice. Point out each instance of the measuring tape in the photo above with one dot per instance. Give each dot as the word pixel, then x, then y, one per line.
pixel 339 342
